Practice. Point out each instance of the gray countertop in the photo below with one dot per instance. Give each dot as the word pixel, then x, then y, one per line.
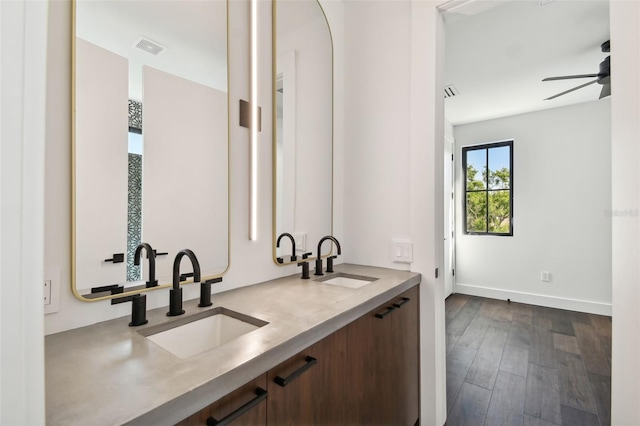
pixel 109 374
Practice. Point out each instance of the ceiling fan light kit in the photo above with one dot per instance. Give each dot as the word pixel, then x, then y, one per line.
pixel 603 77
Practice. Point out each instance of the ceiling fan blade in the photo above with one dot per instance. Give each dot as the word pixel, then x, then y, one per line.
pixel 606 91
pixel 571 90
pixel 567 77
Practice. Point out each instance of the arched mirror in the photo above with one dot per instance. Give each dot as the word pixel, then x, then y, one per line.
pixel 303 126
pixel 150 141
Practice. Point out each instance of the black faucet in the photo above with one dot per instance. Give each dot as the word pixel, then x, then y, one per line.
pixel 293 246
pixel 329 260
pixel 151 255
pixel 175 294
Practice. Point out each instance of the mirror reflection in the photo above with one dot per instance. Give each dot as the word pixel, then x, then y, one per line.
pixel 303 126
pixel 150 159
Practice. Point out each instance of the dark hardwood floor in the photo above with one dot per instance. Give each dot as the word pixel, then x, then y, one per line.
pixel 517 364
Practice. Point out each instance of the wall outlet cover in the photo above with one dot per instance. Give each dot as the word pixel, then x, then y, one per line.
pixel 52 290
pixel 301 241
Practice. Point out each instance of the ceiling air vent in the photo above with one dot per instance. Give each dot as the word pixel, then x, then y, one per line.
pixel 450 91
pixel 149 46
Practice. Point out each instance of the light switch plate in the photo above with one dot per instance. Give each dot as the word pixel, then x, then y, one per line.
pixel 401 251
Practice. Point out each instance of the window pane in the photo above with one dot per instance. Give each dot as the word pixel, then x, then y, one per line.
pixel 476 169
pixel 499 212
pixel 135 143
pixel 477 212
pixel 499 167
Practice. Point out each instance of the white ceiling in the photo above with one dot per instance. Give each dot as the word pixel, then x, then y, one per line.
pixel 193 32
pixel 498 52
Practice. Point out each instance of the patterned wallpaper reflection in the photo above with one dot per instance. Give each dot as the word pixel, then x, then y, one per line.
pixel 134 201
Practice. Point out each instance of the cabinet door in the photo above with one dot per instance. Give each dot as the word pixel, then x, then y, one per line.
pixel 406 338
pixel 245 406
pixel 309 388
pixel 384 365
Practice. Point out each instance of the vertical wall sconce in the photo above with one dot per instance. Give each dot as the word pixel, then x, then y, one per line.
pixel 253 173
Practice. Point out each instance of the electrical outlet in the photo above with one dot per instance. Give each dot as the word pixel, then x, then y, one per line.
pixel 545 276
pixel 51 290
pixel 47 292
pixel 301 241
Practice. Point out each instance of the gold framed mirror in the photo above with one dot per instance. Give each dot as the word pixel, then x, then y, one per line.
pixel 302 127
pixel 150 149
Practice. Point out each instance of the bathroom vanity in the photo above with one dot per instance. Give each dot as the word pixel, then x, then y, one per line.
pixel 329 352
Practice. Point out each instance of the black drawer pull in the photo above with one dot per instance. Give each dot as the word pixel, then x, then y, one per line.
pixel 261 395
pixel 402 302
pixel 387 312
pixel 284 381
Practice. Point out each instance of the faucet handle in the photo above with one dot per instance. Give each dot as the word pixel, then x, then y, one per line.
pixel 305 266
pixel 330 262
pixel 183 277
pixel 116 258
pixel 138 310
pixel 205 292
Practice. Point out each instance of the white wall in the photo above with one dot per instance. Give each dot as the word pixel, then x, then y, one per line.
pixel 562 200
pixel 22 121
pixel 251 261
pixel 393 164
pixel 377 85
pixel 625 108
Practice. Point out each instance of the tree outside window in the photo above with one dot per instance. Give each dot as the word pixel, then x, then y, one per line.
pixel 488 195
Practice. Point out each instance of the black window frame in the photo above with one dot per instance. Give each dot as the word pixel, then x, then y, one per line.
pixel 486 147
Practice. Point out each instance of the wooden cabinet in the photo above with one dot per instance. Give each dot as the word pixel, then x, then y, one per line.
pixel 309 388
pixel 384 363
pixel 366 373
pixel 245 406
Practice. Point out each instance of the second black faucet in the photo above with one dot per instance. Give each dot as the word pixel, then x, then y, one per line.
pixel 175 294
pixel 329 259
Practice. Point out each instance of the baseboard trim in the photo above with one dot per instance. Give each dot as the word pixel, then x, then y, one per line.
pixel 535 299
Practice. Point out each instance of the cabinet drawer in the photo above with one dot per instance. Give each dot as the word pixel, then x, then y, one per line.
pixel 246 406
pixel 309 388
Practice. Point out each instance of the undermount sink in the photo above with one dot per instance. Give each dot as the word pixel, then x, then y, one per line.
pixel 201 332
pixel 347 280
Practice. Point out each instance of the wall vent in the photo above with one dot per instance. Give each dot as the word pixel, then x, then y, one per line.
pixel 450 91
pixel 149 46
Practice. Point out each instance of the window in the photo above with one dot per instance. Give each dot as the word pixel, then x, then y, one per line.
pixel 134 203
pixel 488 194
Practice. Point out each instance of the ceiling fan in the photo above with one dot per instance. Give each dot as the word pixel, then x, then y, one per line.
pixel 603 77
